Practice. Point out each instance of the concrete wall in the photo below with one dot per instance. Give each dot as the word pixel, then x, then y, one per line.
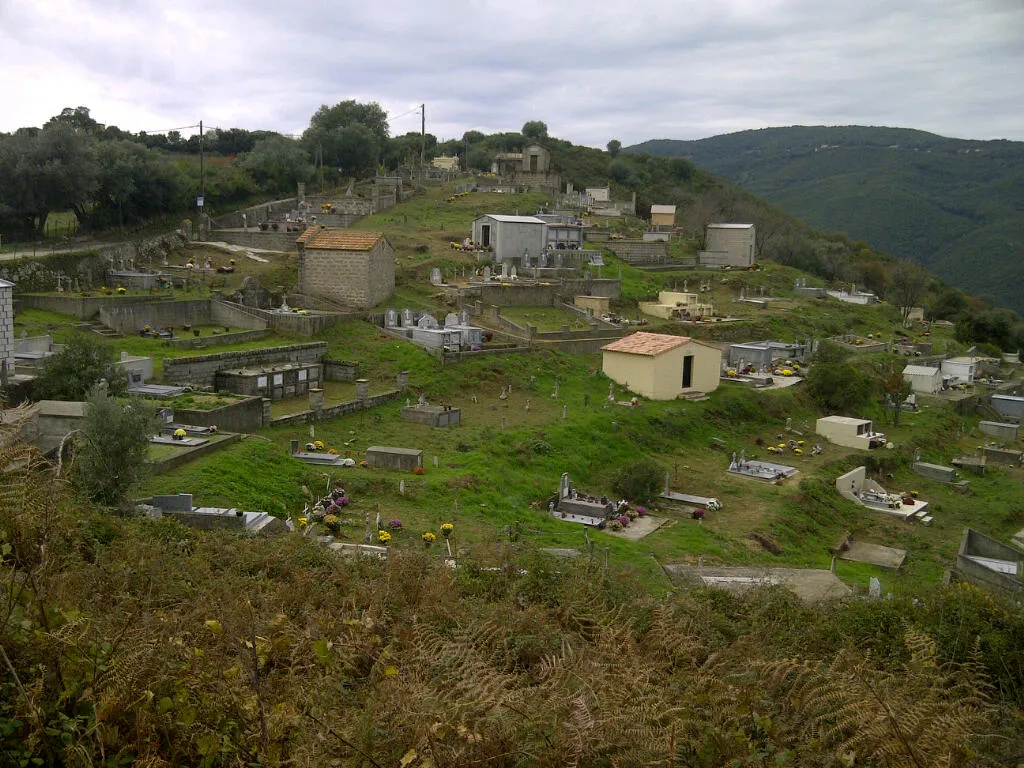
pixel 200 369
pixel 358 279
pixel 256 213
pixel 253 238
pixel 638 251
pixel 335 411
pixel 432 415
pixel 188 341
pixel 980 545
pixel 241 416
pixel 82 307
pixel 156 314
pixel 852 480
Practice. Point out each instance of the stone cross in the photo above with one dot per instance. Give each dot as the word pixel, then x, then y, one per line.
pixel 391 318
pixel 504 270
pixel 406 317
pixel 512 273
pixel 526 258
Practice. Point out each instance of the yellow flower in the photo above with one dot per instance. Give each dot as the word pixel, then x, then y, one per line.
pixel 383 537
pixel 429 537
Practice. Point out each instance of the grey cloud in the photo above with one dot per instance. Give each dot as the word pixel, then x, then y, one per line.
pixel 590 70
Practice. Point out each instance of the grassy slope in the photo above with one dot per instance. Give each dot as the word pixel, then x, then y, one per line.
pixel 492 481
pixel 946 203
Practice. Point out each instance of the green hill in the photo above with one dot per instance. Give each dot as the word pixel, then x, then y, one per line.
pixel 952 205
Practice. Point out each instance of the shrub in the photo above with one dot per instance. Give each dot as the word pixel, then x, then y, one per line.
pixel 639 481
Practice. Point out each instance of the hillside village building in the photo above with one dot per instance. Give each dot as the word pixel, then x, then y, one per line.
pixel 728 245
pixel 356 269
pixel 662 367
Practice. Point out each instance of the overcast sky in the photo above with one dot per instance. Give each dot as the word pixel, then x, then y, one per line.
pixel 592 71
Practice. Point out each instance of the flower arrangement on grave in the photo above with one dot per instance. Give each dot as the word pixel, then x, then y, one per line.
pixel 104 289
pixel 383 537
pixel 429 538
pixel 915 494
pixel 318 513
pixel 303 522
pixel 641 511
pixel 364 464
pixel 395 524
pixel 623 520
pixel 418 470
pixel 615 524
pixel 446 529
pixel 318 445
pixel 332 451
pixel 122 290
pixel 332 523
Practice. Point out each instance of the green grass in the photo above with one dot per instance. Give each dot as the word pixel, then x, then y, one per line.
pixel 496 472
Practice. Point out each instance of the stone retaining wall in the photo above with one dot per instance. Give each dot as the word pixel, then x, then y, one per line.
pixel 188 454
pixel 241 416
pixel 199 370
pixel 82 307
pixel 334 411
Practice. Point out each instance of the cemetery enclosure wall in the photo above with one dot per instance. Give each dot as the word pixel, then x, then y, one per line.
pixel 304 325
pixel 256 213
pixel 638 251
pixel 156 314
pixel 508 295
pixel 88 266
pixel 220 340
pixel 200 369
pixel 254 238
pixel 334 411
pixel 186 455
pixel 242 416
pixel 82 307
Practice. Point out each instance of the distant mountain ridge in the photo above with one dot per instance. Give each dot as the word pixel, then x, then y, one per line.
pixel 956 206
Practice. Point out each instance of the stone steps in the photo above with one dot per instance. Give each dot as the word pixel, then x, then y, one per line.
pixel 100 330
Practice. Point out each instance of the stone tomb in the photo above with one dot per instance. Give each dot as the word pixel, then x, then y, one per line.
pixel 432 415
pixel 856 486
pixel 760 470
pixel 179 506
pixel 1001 430
pixel 385 457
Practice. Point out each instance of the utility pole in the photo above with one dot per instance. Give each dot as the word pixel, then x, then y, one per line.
pixel 320 147
pixel 423 134
pixel 202 168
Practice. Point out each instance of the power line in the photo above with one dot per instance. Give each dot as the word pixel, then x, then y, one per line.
pixel 179 128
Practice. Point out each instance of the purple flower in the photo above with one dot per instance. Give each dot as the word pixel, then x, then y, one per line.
pixel 641 511
pixel 623 519
pixel 394 523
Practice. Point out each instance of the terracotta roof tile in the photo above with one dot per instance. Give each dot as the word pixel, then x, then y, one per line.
pixel 339 239
pixel 646 343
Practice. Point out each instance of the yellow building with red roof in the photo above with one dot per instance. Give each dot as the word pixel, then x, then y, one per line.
pixel 661 366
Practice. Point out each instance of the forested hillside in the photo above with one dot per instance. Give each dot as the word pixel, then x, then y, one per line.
pixel 951 205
